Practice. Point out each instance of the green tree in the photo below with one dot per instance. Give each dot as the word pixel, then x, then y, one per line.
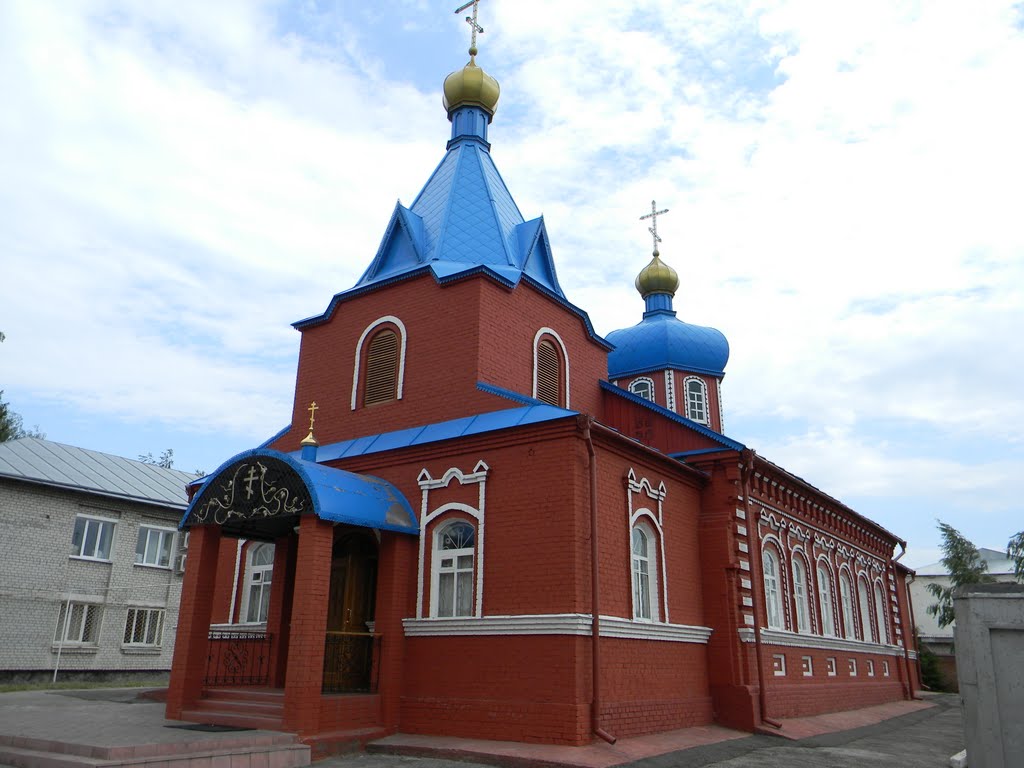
pixel 1015 551
pixel 166 459
pixel 11 425
pixel 965 566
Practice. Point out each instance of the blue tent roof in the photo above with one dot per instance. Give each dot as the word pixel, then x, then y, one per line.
pixel 661 341
pixel 335 495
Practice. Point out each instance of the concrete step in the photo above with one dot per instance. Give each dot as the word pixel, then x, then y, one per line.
pixel 265 756
pixel 245 694
pixel 224 741
pixel 238 706
pixel 343 742
pixel 223 716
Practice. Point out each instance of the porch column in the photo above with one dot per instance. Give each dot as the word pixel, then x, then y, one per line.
pixel 311 590
pixel 280 612
pixel 194 613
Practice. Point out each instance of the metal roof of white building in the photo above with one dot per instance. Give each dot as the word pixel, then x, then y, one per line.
pixel 998 563
pixel 65 466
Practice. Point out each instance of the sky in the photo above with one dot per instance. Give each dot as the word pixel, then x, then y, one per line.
pixel 181 180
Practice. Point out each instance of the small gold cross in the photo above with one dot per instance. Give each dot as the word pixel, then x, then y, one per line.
pixel 653 215
pixel 471 20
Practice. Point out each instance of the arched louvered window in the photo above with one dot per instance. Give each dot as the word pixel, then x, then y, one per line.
pixel 549 379
pixel 381 368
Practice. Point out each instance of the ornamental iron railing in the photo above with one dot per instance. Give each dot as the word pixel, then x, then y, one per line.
pixel 238 658
pixel 351 662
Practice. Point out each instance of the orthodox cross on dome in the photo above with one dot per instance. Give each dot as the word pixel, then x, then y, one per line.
pixel 653 229
pixel 471 20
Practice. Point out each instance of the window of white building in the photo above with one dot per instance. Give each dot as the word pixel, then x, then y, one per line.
pixel 144 627
pixel 154 546
pixel 78 623
pixel 92 538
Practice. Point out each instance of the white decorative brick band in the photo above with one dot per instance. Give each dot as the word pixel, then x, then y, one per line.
pixel 556 624
pixel 796 640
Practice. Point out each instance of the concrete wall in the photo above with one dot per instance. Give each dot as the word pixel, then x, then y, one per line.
pixel 990 665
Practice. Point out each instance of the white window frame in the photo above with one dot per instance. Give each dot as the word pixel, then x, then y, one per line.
pixel 692 404
pixel 846 603
pixel 641 611
pixel 537 338
pixel 825 602
pixel 401 355
pixel 779 664
pixel 772 587
pixel 807 666
pixel 830 666
pixel 101 523
pixel 148 617
pixel 800 592
pixel 87 608
pixel 864 603
pixel 438 555
pixel 881 617
pixel 646 382
pixel 265 585
pixel 162 535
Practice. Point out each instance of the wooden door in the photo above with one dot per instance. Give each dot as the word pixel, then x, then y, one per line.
pixel 348 658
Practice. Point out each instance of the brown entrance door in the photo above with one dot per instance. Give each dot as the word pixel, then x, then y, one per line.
pixel 348 658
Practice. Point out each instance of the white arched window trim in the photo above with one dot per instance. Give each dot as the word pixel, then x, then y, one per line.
pixel 401 355
pixel 565 359
pixel 263 582
pixel 774 584
pixel 846 602
pixel 478 559
pixel 646 519
pixel 864 604
pixel 826 598
pixel 704 396
pixel 801 590
pixel 881 614
pixel 640 380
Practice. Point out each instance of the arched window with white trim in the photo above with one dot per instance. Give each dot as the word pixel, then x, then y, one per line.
pixel 643 387
pixel 828 624
pixel 550 368
pixel 881 614
pixel 644 547
pixel 258 576
pixel 696 393
pixel 452 570
pixel 772 588
pixel 378 374
pixel 863 594
pixel 803 609
pixel 846 602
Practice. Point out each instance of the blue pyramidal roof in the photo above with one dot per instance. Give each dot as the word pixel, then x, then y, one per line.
pixel 464 219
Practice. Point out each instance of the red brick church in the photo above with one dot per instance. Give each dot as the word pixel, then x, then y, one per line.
pixel 495 523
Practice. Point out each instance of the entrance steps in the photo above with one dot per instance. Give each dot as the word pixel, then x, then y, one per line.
pixel 261 708
pixel 232 750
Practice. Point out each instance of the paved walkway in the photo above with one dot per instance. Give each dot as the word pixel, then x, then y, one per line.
pixel 903 734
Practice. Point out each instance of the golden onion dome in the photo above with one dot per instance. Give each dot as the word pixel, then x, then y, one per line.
pixel 471 87
pixel 657 277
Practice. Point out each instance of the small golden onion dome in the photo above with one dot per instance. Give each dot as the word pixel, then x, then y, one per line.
pixel 471 87
pixel 657 277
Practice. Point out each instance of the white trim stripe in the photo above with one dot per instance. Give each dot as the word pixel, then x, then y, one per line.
pixel 557 624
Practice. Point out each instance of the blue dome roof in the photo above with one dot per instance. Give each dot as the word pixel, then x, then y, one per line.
pixel 661 341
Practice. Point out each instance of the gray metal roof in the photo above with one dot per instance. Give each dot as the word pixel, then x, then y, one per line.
pixel 65 466
pixel 998 564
